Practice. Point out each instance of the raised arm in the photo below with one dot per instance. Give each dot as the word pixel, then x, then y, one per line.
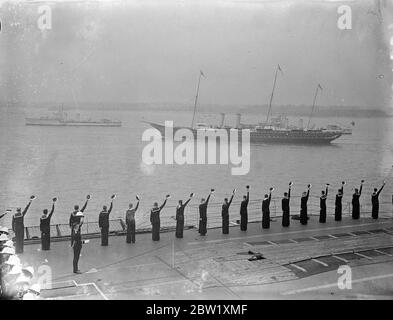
pixel 248 197
pixel 85 205
pixel 163 205
pixel 326 193
pixel 137 205
pixel 230 201
pixel 2 215
pixel 360 190
pixel 53 210
pixel 27 208
pixel 379 191
pixel 289 192
pixel 308 194
pixel 110 208
pixel 208 198
pixel 186 203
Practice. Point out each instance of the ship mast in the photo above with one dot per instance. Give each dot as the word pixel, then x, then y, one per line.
pixel 271 96
pixel 196 98
pixel 313 104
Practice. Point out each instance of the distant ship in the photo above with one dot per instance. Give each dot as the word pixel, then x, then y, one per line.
pixel 271 131
pixel 60 118
pixel 337 128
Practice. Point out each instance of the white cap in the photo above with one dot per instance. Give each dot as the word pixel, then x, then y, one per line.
pixel 79 214
pixel 4 229
pixel 8 250
pixel 15 270
pixel 28 271
pixel 13 261
pixel 9 243
pixel 22 279
pixel 3 237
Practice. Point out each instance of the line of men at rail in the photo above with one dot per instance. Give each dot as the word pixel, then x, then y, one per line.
pixel 76 217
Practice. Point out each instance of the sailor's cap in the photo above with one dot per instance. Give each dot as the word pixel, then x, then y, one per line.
pixel 8 250
pixel 22 279
pixel 4 229
pixel 28 271
pixel 13 261
pixel 15 270
pixel 3 237
pixel 9 243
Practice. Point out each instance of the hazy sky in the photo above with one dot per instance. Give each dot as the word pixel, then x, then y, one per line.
pixel 152 51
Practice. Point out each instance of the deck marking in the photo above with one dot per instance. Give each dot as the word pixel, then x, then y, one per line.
pixel 332 285
pixel 96 287
pixel 363 255
pixel 316 239
pixel 332 236
pixel 288 232
pixel 339 258
pixel 297 267
pixel 320 262
pixel 385 253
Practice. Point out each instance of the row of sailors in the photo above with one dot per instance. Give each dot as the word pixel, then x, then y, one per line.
pixel 76 217
pixel 16 281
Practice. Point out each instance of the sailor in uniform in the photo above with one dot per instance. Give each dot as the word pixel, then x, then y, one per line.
pixel 303 206
pixel 45 226
pixel 155 219
pixel 375 201
pixel 322 204
pixel 338 203
pixel 203 214
pixel 18 226
pixel 244 211
pixel 266 210
pixel 285 207
pixel 73 219
pixel 103 222
pixel 130 221
pixel 76 241
pixel 356 202
pixel 180 217
pixel 225 213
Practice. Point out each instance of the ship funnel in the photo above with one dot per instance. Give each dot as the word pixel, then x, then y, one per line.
pixel 238 117
pixel 222 119
pixel 301 123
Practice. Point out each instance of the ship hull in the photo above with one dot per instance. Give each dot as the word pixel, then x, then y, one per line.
pixel 58 123
pixel 271 136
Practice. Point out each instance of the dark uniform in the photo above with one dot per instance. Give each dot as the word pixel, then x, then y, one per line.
pixel 76 243
pixel 103 223
pixel 203 217
pixel 303 208
pixel 225 216
pixel 356 204
pixel 45 229
pixel 180 219
pixel 18 226
pixel 338 205
pixel 244 213
pixel 73 220
pixel 375 203
pixel 286 210
pixel 322 205
pixel 155 221
pixel 130 222
pixel 266 212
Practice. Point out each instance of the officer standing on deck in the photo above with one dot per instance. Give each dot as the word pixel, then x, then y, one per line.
pixel 18 226
pixel 203 214
pixel 356 202
pixel 285 207
pixel 73 218
pixel 130 221
pixel 375 201
pixel 338 203
pixel 225 213
pixel 103 222
pixel 243 210
pixel 266 210
pixel 303 206
pixel 76 240
pixel 322 205
pixel 180 217
pixel 45 226
pixel 155 219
